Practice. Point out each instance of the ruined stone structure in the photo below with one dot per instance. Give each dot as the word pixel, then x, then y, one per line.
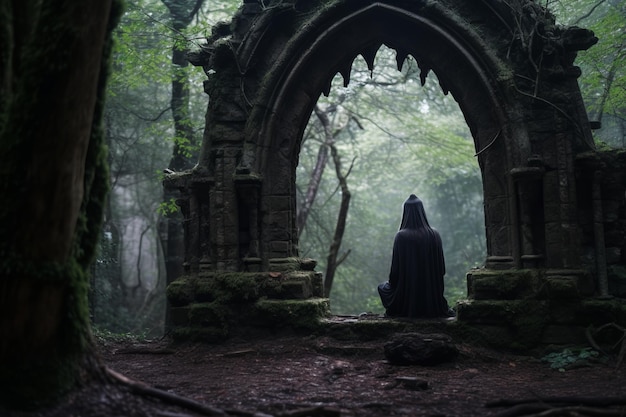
pixel 554 209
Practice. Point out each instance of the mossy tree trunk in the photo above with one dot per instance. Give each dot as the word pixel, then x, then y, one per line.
pixel 54 181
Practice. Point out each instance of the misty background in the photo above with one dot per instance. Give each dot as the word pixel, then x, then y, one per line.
pixel 390 135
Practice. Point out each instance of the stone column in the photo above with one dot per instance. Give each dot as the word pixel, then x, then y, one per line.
pixel 529 193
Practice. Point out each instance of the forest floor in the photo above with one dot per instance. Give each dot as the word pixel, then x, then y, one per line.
pixel 322 376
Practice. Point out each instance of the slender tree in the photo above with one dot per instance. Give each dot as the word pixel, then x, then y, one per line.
pixel 54 180
pixel 182 13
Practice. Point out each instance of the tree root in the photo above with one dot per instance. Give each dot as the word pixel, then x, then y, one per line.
pixel 562 406
pixel 144 389
pixel 141 388
pixel 590 333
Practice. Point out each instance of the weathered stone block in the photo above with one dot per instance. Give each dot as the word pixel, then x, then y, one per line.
pixel 299 284
pixel 611 210
pixel 279 249
pixel 284 264
pixel 564 311
pixel 179 316
pixel 296 288
pixel 613 255
pixel 236 287
pixel 494 335
pixel 555 287
pixel 278 219
pixel 420 349
pixel 252 264
pixel 499 311
pixel 307 264
pixel 180 292
pixel 563 335
pixel 207 315
pixel 614 234
pixel 229 234
pixel 524 319
pixel 280 204
pixel 204 289
pixel 601 311
pixel 297 314
pixel 617 280
pixel 499 285
pixel 317 285
pixel 270 286
pixel 586 284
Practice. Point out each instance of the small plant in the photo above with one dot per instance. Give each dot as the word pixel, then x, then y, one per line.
pixel 104 336
pixel 570 357
pixel 168 207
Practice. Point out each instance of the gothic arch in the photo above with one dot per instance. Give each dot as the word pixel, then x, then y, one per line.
pixel 507 64
pixel 281 58
pixel 328 45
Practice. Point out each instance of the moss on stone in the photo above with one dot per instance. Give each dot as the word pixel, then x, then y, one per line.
pixel 508 285
pixel 224 287
pixel 181 291
pixel 524 320
pixel 212 314
pixel 203 289
pixel 236 287
pixel 557 287
pixel 297 314
pixel 285 264
pixel 602 311
pixel 270 287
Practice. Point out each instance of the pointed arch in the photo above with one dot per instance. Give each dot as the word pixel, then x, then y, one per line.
pixel 328 44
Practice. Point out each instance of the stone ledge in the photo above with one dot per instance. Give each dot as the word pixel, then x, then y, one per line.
pixel 501 285
pixel 215 321
pixel 244 286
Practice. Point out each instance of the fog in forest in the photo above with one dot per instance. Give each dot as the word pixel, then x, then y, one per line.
pixel 391 135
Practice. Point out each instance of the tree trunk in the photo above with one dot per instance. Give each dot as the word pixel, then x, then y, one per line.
pixel 182 13
pixel 333 253
pixel 318 171
pixel 52 79
pixel 330 137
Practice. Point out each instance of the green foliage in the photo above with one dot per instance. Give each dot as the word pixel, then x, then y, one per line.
pixel 568 358
pixel 603 82
pixel 104 336
pixel 168 207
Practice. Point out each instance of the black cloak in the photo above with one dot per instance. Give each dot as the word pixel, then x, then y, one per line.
pixel 415 286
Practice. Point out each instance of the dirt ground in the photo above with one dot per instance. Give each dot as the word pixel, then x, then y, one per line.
pixel 321 376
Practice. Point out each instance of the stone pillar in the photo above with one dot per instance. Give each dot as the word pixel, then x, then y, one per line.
pixel 498 208
pixel 248 191
pixel 562 230
pixel 529 192
pixel 598 234
pixel 223 203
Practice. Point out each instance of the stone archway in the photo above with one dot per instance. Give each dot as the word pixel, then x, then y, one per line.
pixel 508 66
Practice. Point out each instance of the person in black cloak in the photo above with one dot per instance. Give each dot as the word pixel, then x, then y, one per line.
pixel 415 286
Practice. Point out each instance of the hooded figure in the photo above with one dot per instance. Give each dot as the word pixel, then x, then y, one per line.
pixel 415 286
